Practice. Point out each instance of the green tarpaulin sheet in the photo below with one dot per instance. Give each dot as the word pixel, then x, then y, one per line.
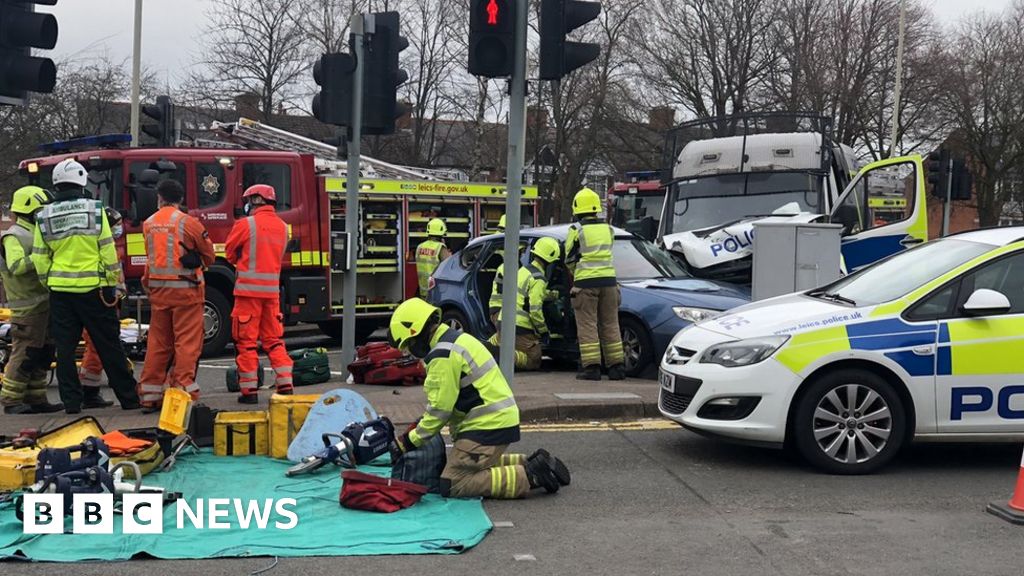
pixel 433 526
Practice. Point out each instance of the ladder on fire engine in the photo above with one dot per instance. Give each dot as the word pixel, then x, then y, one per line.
pixel 251 133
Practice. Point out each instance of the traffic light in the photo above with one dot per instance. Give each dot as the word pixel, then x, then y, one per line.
pixel 333 73
pixel 937 166
pixel 558 18
pixel 163 114
pixel 21 30
pixel 492 37
pixel 963 181
pixel 382 76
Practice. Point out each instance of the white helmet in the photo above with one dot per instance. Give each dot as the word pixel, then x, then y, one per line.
pixel 70 172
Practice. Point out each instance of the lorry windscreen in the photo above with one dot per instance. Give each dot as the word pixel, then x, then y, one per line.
pixel 714 200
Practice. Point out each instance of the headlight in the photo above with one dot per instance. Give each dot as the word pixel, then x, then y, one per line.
pixel 743 352
pixel 695 314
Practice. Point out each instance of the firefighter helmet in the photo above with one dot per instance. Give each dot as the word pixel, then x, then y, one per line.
pixel 68 171
pixel 437 227
pixel 264 191
pixel 547 249
pixel 409 321
pixel 28 199
pixel 586 201
pixel 501 223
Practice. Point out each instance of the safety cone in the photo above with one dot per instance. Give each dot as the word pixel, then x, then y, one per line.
pixel 1012 511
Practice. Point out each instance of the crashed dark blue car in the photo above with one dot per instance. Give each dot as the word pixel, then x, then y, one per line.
pixel 658 297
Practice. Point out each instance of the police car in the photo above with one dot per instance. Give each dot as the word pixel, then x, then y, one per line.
pixel 925 345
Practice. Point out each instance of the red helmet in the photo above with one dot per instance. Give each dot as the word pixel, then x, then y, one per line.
pixel 264 190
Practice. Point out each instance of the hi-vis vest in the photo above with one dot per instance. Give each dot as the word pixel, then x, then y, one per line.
pixel 258 270
pixel 466 390
pixel 25 295
pixel 590 244
pixel 72 247
pixel 531 290
pixel 428 258
pixel 165 237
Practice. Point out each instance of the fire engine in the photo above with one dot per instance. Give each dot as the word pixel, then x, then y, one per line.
pixel 635 205
pixel 396 202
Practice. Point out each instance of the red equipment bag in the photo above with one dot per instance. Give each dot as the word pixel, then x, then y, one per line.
pixel 380 363
pixel 361 491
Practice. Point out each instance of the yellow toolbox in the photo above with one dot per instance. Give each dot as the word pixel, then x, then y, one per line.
pixel 17 468
pixel 70 434
pixel 241 434
pixel 287 413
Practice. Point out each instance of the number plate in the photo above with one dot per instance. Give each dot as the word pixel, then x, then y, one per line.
pixel 667 381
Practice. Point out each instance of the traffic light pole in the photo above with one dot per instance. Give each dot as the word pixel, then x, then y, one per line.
pixel 513 191
pixel 136 73
pixel 361 24
pixel 948 205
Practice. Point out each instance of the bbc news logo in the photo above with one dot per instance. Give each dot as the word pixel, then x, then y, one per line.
pixel 144 514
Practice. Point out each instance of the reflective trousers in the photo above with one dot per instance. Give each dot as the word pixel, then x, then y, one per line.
pixel 475 470
pixel 173 345
pixel 31 353
pixel 597 325
pixel 256 321
pixel 529 352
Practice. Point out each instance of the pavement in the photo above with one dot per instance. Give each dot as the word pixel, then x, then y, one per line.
pixel 541 396
pixel 668 502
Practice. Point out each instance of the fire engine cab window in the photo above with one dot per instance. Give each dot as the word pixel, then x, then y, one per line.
pixel 277 175
pixel 178 174
pixel 210 184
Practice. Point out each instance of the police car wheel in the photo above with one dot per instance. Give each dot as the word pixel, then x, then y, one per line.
pixel 849 422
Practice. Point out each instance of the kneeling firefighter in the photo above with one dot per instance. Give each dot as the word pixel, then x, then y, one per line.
pixel 466 390
pixel 531 293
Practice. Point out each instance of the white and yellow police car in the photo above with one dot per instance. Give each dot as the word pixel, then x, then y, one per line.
pixel 925 345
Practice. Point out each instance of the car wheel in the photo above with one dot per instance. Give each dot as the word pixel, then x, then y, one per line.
pixel 636 346
pixel 216 322
pixel 849 422
pixel 455 319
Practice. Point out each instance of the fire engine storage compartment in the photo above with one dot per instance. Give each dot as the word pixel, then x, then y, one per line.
pixel 456 213
pixel 378 256
pixel 790 257
pixel 491 211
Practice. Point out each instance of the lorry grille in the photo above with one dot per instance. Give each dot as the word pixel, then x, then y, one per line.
pixel 673 403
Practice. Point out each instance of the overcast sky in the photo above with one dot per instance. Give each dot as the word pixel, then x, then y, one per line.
pixel 172 28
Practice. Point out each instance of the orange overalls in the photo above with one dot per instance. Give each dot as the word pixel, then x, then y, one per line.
pixel 256 247
pixel 176 295
pixel 90 371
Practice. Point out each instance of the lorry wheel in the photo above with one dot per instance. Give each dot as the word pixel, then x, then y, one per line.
pixel 849 422
pixel 216 322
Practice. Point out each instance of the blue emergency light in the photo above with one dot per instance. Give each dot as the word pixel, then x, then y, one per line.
pixel 97 141
pixel 643 176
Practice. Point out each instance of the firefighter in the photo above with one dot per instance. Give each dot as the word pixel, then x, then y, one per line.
pixel 532 291
pixel 90 372
pixel 466 391
pixel 73 252
pixel 24 381
pixel 178 249
pixel 595 292
pixel 431 252
pixel 256 247
pixel 494 302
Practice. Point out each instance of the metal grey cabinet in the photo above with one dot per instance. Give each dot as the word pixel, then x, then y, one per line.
pixel 789 257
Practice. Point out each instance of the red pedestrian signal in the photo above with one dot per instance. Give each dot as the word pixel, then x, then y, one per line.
pixel 491 41
pixel 492 12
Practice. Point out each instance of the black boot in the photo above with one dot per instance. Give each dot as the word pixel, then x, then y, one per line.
pixel 540 475
pixel 590 373
pixel 557 466
pixel 46 408
pixel 18 409
pixel 617 372
pixel 93 399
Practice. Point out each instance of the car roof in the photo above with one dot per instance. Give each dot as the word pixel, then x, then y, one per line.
pixel 556 231
pixel 1002 236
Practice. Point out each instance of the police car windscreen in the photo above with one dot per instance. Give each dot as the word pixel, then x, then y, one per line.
pixel 715 200
pixel 899 275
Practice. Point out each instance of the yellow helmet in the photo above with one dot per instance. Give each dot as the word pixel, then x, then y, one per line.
pixel 28 199
pixel 501 223
pixel 409 321
pixel 437 227
pixel 547 249
pixel 586 201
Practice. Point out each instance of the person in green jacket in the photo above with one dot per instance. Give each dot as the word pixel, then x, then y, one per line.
pixel 532 291
pixel 467 392
pixel 430 253
pixel 24 381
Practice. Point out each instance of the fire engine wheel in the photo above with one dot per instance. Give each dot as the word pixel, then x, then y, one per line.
pixel 216 322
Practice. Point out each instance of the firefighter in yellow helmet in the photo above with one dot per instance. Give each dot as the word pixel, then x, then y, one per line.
pixel 532 291
pixel 494 302
pixel 595 292
pixel 467 392
pixel 24 381
pixel 430 253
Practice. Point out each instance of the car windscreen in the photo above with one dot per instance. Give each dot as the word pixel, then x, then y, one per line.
pixel 899 275
pixel 714 200
pixel 637 259
pixel 104 183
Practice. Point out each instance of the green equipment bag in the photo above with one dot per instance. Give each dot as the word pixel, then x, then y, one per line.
pixel 231 378
pixel 310 366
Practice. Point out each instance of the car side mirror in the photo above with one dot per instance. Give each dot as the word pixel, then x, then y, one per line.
pixel 985 302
